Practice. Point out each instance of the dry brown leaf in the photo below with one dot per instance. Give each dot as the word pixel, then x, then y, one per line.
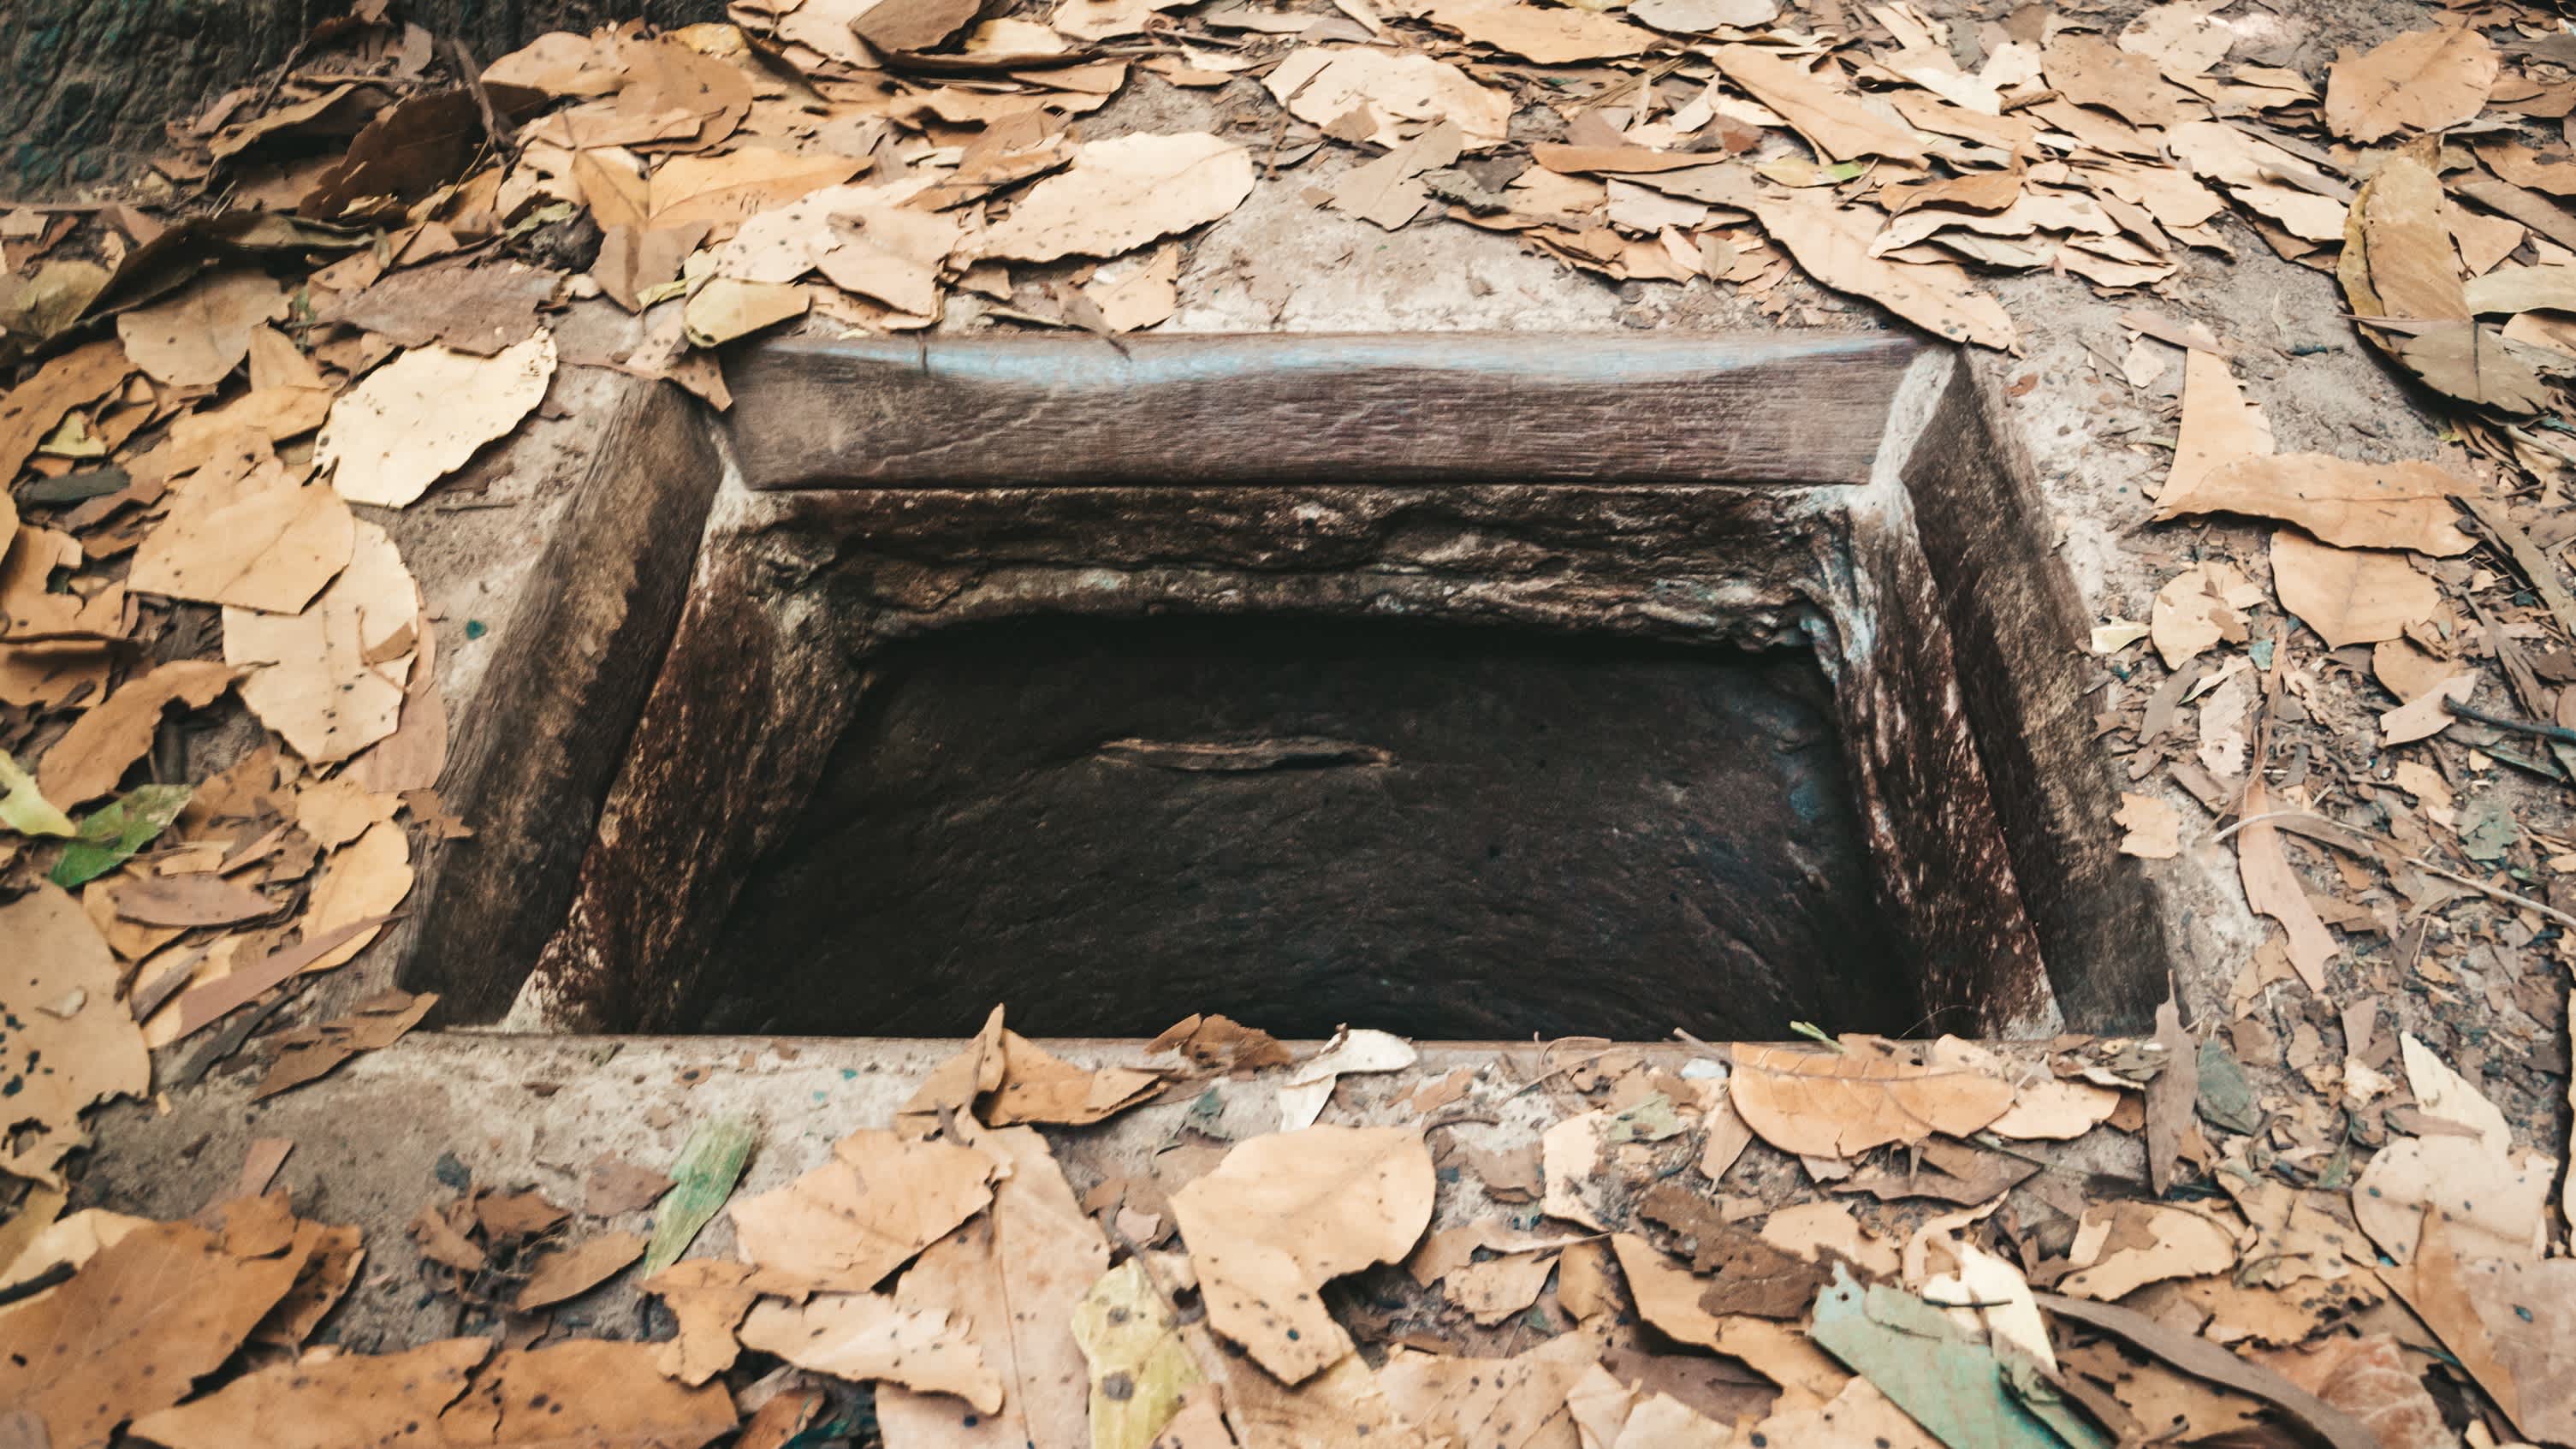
pixel 68 1041
pixel 133 1329
pixel 1011 1278
pixel 2368 1378
pixel 2218 425
pixel 585 1391
pixel 1858 1413
pixel 2509 1320
pixel 306 1054
pixel 1515 1403
pixel 2398 259
pixel 1668 1296
pixel 1120 194
pixel 2493 1204
pixel 1321 86
pixel 363 881
pixel 258 542
pixel 2121 1247
pixel 1550 36
pixel 187 900
pixel 2423 80
pixel 101 745
pixel 1832 119
pixel 2350 595
pixel 198 336
pixel 1145 297
pixel 711 190
pixel 2092 71
pixel 2252 170
pixel 32 409
pixel 708 1297
pixel 867 1336
pixel 2403 504
pixel 2200 606
pixel 729 307
pixel 1837 1104
pixel 2272 888
pixel 420 417
pixel 1038 1086
pixel 316 676
pixel 2425 715
pixel 880 1200
pixel 353 1401
pixel 901 25
pixel 633 260
pixel 2154 833
pixel 570 1272
pixel 1286 1212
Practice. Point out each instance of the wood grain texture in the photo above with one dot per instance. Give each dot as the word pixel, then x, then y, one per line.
pixel 1415 408
pixel 535 755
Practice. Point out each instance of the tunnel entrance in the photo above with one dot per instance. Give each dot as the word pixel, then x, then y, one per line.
pixel 1445 831
pixel 1473 686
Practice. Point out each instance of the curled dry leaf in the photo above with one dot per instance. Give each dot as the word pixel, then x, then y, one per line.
pixel 2154 833
pixel 421 416
pixel 1310 1086
pixel 1285 1213
pixel 1120 194
pixel 2402 504
pixel 2200 606
pixel 1836 1104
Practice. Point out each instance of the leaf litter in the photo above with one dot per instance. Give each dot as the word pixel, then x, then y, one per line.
pixel 1774 152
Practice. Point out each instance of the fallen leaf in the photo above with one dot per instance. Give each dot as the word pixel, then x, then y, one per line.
pixel 133 1329
pixel 2491 1204
pixel 1145 297
pixel 1286 1212
pixel 461 305
pixel 1950 1383
pixel 1220 1043
pixel 362 882
pixel 1549 36
pixel 2272 888
pixel 2154 831
pixel 1838 1104
pixel 881 1199
pixel 2218 425
pixel 1140 1368
pixel 1856 1414
pixel 1512 1403
pixel 709 1165
pixel 866 1336
pixel 2092 71
pixel 2350 595
pixel 708 1298
pixel 316 676
pixel 587 1391
pixel 198 336
pixel 571 1272
pixel 104 743
pixel 2423 80
pixel 1321 85
pixel 2368 1378
pixel 353 1401
pixel 33 408
pixel 1012 1278
pixel 713 190
pixel 268 544
pixel 2400 505
pixel 1831 119
pixel 54 1065
pixel 1310 1086
pixel 1832 244
pixel 1668 1295
pixel 2509 1319
pixel 2056 1110
pixel 1037 1086
pixel 2121 1247
pixel 110 835
pixel 615 1187
pixel 419 418
pixel 23 806
pixel 1120 194
pixel 2198 607
pixel 188 900
pixel 728 307
pixel 2209 1361
pixel 2425 716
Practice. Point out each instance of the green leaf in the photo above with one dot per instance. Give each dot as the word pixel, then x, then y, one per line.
pixel 22 808
pixel 1959 1389
pixel 710 1164
pixel 110 836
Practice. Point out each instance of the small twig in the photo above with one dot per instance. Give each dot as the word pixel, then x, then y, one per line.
pixel 24 1288
pixel 2035 98
pixel 2560 733
pixel 504 140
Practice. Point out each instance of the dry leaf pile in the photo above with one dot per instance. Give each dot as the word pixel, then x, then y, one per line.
pixel 1588 1246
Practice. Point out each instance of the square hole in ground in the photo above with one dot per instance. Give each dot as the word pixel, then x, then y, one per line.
pixel 1445 831
pixel 1477 686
